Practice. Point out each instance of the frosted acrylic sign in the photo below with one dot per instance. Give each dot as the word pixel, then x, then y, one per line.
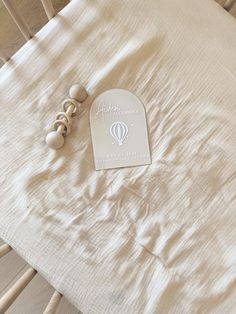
pixel 119 130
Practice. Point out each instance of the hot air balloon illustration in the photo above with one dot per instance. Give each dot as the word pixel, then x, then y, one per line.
pixel 119 131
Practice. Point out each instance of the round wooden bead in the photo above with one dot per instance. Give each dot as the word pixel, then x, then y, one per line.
pixel 55 140
pixel 78 92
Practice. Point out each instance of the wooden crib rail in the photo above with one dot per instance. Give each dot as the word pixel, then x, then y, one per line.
pixel 48 8
pixel 4 249
pixel 9 297
pixel 3 56
pixel 53 303
pixel 19 20
pixel 15 290
pixel 229 4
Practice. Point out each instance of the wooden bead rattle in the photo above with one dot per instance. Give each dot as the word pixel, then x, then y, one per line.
pixel 62 124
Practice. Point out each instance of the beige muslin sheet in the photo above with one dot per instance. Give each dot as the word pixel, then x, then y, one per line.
pixel 150 239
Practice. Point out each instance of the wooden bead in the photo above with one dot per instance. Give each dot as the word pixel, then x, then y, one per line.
pixel 55 140
pixel 78 92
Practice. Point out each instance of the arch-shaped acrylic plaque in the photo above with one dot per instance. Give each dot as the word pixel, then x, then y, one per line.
pixel 119 130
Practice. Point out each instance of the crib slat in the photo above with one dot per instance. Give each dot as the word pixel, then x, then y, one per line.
pixel 53 303
pixel 9 297
pixel 48 8
pixel 229 4
pixel 3 56
pixel 4 249
pixel 23 27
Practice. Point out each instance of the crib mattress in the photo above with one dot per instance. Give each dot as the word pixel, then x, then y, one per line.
pixel 149 239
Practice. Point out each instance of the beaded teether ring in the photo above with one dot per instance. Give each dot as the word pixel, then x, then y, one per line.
pixel 62 124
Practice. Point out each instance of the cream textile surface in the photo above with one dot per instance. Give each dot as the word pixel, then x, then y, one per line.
pixel 151 239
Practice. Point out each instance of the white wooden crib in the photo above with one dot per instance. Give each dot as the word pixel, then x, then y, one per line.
pixel 15 290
